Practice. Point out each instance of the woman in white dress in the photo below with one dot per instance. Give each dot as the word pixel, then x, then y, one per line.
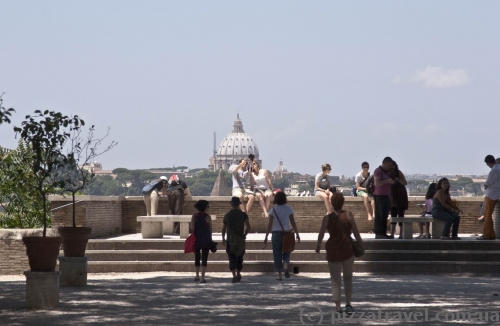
pixel 263 187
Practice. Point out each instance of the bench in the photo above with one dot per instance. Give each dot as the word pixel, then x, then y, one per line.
pixel 407 231
pixel 158 225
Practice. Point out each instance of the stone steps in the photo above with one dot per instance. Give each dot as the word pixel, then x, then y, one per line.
pixel 382 256
pixel 299 255
pixel 383 267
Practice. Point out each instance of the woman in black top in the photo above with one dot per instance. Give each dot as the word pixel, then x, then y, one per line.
pixel 399 196
pixel 202 228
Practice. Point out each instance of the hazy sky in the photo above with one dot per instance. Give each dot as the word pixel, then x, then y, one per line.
pixel 313 81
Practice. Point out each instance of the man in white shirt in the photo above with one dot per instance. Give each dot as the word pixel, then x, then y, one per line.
pixel 492 186
pixel 240 176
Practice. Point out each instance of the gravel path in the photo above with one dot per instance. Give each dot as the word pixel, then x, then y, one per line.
pixel 174 299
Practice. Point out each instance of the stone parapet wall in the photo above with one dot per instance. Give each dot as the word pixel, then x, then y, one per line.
pixel 103 214
pixel 309 212
pixel 13 258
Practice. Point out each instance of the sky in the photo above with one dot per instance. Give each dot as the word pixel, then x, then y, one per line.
pixel 314 82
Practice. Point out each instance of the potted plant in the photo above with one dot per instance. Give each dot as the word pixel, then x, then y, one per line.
pixel 78 174
pixel 47 132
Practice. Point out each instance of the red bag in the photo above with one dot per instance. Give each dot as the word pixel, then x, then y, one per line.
pixel 190 244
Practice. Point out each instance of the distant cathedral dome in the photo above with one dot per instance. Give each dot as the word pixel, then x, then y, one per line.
pixel 234 147
pixel 280 168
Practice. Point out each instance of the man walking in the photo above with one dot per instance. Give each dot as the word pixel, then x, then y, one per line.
pixel 492 186
pixel 234 222
pixel 381 195
pixel 176 190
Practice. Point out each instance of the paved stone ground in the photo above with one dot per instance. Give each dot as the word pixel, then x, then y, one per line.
pixel 174 299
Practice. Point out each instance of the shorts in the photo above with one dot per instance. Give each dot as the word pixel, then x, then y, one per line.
pixel 266 192
pixel 237 192
pixel 360 193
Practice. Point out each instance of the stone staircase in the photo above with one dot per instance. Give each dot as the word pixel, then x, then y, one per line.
pixel 382 256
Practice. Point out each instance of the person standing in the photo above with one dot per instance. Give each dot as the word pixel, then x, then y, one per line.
pixel 399 197
pixel 322 186
pixel 381 195
pixel 361 183
pixel 339 252
pixel 234 222
pixel 240 175
pixel 281 217
pixel 492 186
pixel 150 194
pixel 202 229
pixel 177 189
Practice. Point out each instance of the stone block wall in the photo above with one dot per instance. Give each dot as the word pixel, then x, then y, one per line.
pixel 102 214
pixel 13 258
pixel 309 212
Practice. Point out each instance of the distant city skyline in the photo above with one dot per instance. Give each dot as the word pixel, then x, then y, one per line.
pixel 318 81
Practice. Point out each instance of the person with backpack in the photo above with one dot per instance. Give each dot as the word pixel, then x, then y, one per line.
pixel 234 222
pixel 362 179
pixel 177 189
pixel 202 229
pixel 151 195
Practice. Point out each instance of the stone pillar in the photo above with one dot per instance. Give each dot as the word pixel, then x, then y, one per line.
pixel 42 290
pixel 73 271
pixel 168 227
pixel 496 219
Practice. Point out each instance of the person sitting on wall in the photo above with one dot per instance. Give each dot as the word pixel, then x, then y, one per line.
pixel 361 182
pixel 150 194
pixel 322 186
pixel 263 187
pixel 240 176
pixel 177 189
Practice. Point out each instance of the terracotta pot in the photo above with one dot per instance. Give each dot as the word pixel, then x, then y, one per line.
pixel 42 252
pixel 74 240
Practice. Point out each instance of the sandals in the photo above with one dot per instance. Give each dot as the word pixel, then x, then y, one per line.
pixel 483 238
pixel 420 236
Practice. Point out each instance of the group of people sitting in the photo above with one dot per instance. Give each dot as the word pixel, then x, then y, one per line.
pixel 386 190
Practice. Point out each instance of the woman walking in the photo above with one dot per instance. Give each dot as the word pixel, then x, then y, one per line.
pixel 202 228
pixel 339 252
pixel 442 210
pixel 280 218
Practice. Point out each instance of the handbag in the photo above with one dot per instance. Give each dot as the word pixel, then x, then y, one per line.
pixel 288 238
pixel 357 248
pixel 190 244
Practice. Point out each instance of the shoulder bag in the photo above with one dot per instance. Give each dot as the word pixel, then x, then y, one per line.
pixel 356 246
pixel 288 238
pixel 190 244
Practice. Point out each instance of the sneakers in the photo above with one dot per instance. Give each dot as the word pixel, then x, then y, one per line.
pixel 234 280
pixel 287 274
pixel 420 236
pixel 349 309
pixel 238 277
pixel 445 238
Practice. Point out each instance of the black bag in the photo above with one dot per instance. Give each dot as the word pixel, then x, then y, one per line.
pixel 370 186
pixel 213 246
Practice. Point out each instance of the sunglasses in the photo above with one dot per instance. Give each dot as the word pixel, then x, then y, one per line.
pixel 366 167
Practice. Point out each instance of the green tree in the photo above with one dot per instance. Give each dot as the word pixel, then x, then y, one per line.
pixel 47 133
pixel 281 183
pixel 24 206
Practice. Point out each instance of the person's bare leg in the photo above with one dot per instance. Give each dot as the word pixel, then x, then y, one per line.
pixel 197 268
pixel 326 199
pixel 203 270
pixel 367 206
pixel 268 202
pixel 262 203
pixel 251 199
pixel 242 206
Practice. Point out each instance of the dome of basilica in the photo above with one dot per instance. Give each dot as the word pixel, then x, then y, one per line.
pixel 234 147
